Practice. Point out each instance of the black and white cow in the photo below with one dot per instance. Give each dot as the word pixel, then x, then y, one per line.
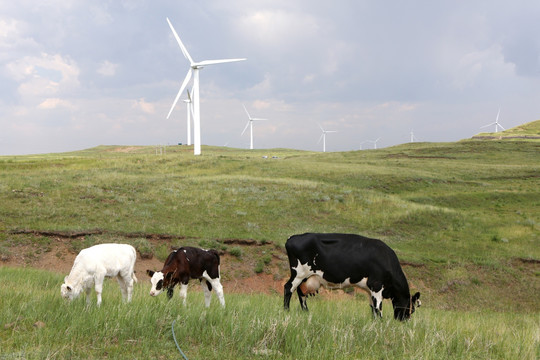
pixel 345 260
pixel 189 263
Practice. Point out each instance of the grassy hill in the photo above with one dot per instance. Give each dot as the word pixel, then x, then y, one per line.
pixel 440 205
pixel 528 131
pixel 463 218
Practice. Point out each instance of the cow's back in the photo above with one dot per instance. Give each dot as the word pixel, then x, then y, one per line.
pixel 340 255
pixel 111 257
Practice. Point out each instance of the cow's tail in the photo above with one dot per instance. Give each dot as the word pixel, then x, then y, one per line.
pixel 216 254
pixel 218 260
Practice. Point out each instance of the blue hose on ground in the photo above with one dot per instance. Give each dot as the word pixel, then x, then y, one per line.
pixel 176 342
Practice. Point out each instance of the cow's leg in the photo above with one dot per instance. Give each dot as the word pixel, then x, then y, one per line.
pixel 302 298
pixel 123 286
pixel 376 302
pixel 126 286
pixel 287 293
pixel 207 289
pixel 98 286
pixel 216 285
pixel 291 286
pixel 183 292
pixel 88 292
pixel 129 286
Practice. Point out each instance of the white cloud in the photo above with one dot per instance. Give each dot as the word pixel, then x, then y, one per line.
pixel 107 68
pixel 477 64
pixel 276 27
pixel 53 103
pixel 44 75
pixel 144 106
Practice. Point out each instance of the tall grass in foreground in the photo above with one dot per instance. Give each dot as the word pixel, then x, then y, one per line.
pixel 35 323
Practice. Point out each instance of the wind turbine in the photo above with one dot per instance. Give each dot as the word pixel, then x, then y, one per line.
pixel 194 70
pixel 250 124
pixel 413 138
pixel 323 137
pixel 496 123
pixel 374 142
pixel 189 107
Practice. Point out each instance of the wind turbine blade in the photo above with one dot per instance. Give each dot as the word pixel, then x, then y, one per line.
pixel 188 95
pixel 330 131
pixel 320 128
pixel 487 125
pixel 249 117
pixel 320 138
pixel 182 47
pixel 186 80
pixel 214 62
pixel 247 125
pixel 258 119
pixel 498 112
pixel 502 127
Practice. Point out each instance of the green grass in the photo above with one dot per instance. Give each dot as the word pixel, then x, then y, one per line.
pixel 36 323
pixel 463 192
pixel 463 216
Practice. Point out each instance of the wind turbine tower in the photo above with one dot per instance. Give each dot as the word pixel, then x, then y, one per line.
pixel 323 137
pixel 413 138
pixel 189 107
pixel 496 123
pixel 250 124
pixel 194 70
pixel 374 142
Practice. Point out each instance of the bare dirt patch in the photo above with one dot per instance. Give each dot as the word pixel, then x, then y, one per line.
pixel 238 274
pixel 126 149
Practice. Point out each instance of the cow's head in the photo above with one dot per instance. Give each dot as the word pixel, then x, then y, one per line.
pixel 68 290
pixel 158 281
pixel 405 312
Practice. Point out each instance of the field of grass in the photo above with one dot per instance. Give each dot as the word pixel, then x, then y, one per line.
pixel 462 217
pixel 38 324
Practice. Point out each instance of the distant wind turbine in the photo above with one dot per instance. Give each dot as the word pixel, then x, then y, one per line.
pixel 323 137
pixel 413 138
pixel 194 70
pixel 250 124
pixel 189 107
pixel 374 142
pixel 496 123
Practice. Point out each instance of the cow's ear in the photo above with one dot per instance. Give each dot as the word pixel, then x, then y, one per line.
pixel 416 297
pixel 65 279
pixel 150 273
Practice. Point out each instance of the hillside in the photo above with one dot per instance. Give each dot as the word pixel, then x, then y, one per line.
pixel 462 217
pixel 528 131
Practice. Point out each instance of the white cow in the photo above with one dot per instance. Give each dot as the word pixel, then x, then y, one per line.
pixel 93 264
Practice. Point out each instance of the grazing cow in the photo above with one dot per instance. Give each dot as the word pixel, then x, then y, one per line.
pixel 93 264
pixel 345 260
pixel 188 263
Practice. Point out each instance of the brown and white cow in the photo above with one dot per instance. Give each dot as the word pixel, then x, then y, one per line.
pixel 189 263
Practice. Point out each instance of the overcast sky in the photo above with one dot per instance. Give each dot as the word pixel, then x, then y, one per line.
pixel 76 74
